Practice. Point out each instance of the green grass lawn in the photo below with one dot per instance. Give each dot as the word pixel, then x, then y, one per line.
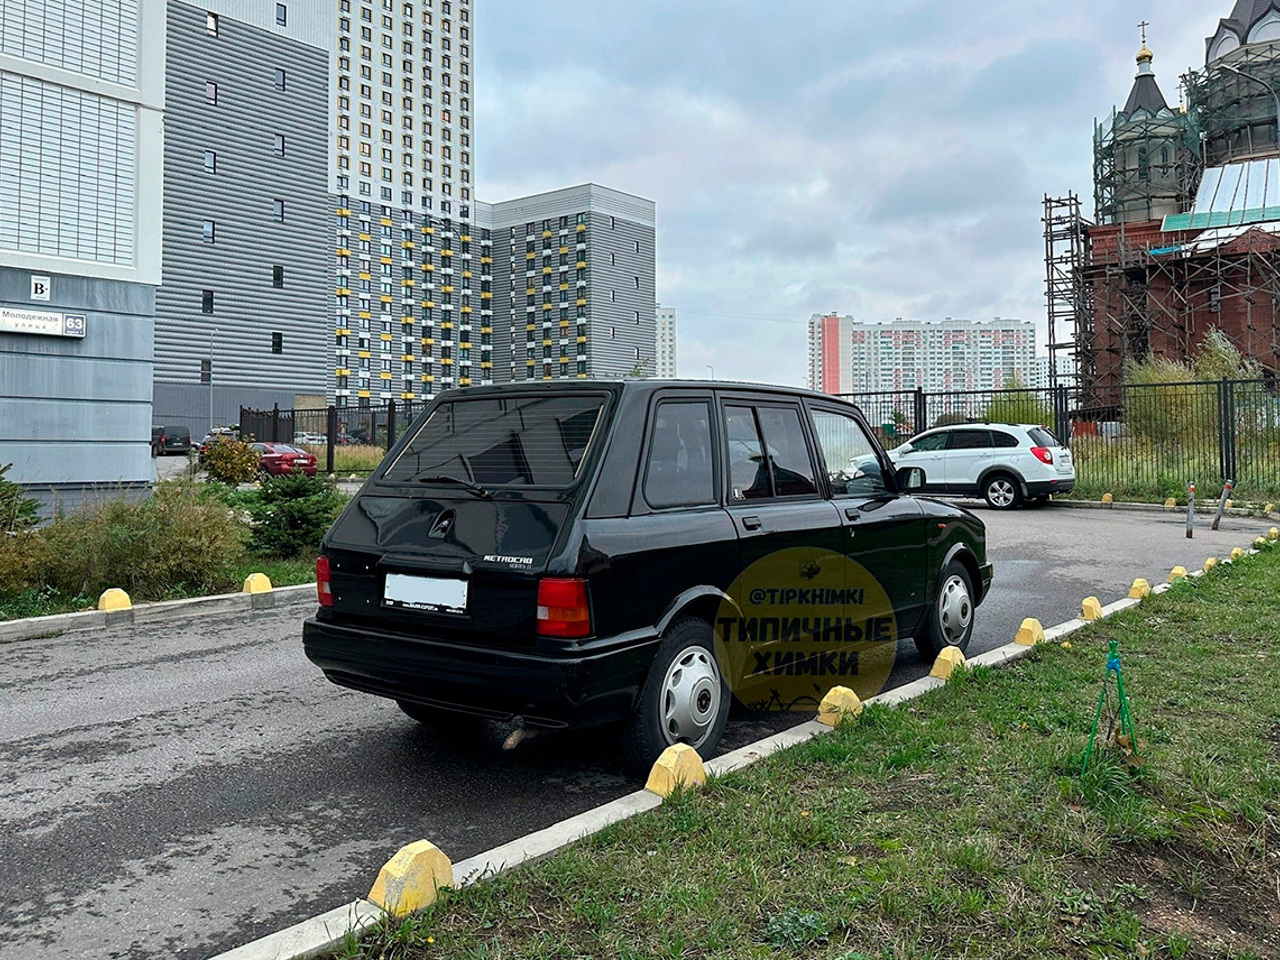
pixel 958 826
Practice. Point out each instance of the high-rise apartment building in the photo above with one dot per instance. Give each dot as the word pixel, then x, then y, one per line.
pixel 665 349
pixel 576 284
pixel 81 136
pixel 849 356
pixel 248 230
pixel 413 296
pixel 324 240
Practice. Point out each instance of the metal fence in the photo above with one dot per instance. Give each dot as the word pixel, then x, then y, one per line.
pixel 349 440
pixel 1138 440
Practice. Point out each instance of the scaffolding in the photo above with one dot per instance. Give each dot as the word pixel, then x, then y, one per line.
pixel 1145 167
pixel 1236 111
pixel 1067 294
pixel 1161 298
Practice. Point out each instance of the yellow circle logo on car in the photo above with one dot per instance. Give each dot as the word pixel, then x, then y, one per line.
pixel 801 621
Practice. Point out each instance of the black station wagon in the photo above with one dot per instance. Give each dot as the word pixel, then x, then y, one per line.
pixel 644 552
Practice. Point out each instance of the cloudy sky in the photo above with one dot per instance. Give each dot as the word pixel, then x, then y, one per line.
pixel 877 159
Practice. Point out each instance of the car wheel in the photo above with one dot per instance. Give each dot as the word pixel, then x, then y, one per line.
pixel 951 620
pixel 685 698
pixel 1002 492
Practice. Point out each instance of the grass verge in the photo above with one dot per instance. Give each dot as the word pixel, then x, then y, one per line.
pixel 959 826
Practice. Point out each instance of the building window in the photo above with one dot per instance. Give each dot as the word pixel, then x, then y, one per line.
pixel 206 371
pixel 277 279
pixel 210 161
pixel 282 15
pixel 277 210
pixel 637 283
pixel 281 79
pixel 211 24
pixel 637 246
pixel 210 92
pixel 277 148
pixel 209 231
pixel 277 343
pixel 206 301
pixel 613 223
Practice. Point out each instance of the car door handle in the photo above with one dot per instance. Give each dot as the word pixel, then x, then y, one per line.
pixel 751 523
pixel 851 513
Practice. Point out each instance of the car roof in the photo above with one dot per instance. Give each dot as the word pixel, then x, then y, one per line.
pixel 636 386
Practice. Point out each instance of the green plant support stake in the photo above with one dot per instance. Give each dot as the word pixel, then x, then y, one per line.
pixel 1122 698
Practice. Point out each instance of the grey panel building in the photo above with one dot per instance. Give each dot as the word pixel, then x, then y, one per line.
pixel 242 316
pixel 81 134
pixel 576 284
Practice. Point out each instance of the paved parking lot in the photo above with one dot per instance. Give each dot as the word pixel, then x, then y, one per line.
pixel 176 791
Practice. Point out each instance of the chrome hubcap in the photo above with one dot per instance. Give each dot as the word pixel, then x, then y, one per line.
pixel 955 610
pixel 1001 493
pixel 690 697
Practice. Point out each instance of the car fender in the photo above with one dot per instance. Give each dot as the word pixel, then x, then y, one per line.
pixel 964 553
pixel 1003 468
pixel 702 598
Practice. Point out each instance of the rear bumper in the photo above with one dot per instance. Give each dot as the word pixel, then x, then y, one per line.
pixel 1045 488
pixel 543 689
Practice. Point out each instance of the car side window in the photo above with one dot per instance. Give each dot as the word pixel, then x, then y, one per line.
pixel 748 472
pixel 1003 439
pixel 970 439
pixel 932 443
pixel 852 464
pixel 679 471
pixel 788 448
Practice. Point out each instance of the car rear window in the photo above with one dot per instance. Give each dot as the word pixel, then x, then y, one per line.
pixel 1042 437
pixel 1002 439
pixel 502 441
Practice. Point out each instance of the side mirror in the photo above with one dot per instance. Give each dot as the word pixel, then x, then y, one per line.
pixel 910 478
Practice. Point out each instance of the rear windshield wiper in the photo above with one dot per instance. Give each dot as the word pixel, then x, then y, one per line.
pixel 473 487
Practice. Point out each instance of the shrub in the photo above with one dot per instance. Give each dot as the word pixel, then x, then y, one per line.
pixel 17 510
pixel 292 513
pixel 177 542
pixel 231 461
pixel 22 561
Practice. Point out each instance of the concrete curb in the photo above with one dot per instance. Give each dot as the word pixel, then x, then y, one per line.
pixel 58 624
pixel 328 931
pixel 1180 510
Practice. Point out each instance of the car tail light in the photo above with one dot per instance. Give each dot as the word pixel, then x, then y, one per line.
pixel 1043 454
pixel 563 609
pixel 324 592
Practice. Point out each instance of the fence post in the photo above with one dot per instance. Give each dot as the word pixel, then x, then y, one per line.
pixel 391 424
pixel 1061 418
pixel 331 438
pixel 275 423
pixel 1224 465
pixel 921 411
pixel 1230 425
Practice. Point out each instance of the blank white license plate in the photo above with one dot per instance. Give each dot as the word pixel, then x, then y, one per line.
pixel 425 593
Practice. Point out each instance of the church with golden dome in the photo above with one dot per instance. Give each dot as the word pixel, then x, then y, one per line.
pixel 1185 233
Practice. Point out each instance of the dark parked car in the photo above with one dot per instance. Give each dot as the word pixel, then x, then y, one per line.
pixel 170 440
pixel 566 554
pixel 279 459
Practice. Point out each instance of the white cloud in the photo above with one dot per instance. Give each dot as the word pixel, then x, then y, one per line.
pixel 881 160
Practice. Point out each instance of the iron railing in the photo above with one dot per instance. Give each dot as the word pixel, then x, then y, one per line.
pixel 1137 440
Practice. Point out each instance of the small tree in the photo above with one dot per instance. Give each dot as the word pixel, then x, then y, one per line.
pixel 637 371
pixel 231 461
pixel 292 513
pixel 1019 404
pixel 18 512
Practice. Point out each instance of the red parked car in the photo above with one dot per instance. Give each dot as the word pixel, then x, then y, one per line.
pixel 284 458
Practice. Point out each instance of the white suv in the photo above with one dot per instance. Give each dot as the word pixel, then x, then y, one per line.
pixel 1005 463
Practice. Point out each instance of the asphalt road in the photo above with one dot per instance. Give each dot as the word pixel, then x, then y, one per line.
pixel 175 791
